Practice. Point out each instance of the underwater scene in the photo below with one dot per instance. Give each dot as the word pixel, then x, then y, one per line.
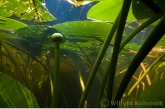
pixel 82 53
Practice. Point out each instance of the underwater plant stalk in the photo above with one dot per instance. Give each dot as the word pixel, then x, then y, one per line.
pixel 125 41
pixel 147 76
pixel 111 67
pixel 150 42
pixel 138 29
pixel 97 63
pixel 26 79
pixel 57 38
pixel 104 80
pixel 145 73
pixel 90 63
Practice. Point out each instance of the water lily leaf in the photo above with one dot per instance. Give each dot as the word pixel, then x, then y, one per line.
pixel 161 42
pixel 152 24
pixel 35 33
pixel 83 31
pixel 5 13
pixel 43 15
pixel 27 10
pixel 69 46
pixel 40 12
pixel 132 46
pixel 13 94
pixel 141 11
pixel 6 23
pixel 91 0
pixel 153 96
pixel 108 11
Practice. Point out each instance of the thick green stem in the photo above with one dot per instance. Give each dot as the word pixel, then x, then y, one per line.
pixel 56 75
pixel 150 42
pixel 145 73
pixel 96 65
pixel 104 80
pixel 123 43
pixel 111 68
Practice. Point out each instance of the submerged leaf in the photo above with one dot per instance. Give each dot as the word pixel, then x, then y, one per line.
pixel 13 94
pixel 153 96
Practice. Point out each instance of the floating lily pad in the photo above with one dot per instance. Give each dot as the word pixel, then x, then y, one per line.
pixel 26 9
pixel 34 33
pixel 5 13
pixel 141 11
pixel 107 11
pixel 83 31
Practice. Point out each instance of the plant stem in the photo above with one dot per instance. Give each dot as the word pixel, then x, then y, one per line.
pixel 150 42
pixel 147 76
pixel 96 65
pixel 111 68
pixel 56 75
pixel 104 80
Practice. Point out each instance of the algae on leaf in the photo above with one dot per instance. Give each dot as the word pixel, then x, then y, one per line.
pixel 13 94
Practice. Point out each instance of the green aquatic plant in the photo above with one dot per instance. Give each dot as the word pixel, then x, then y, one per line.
pixel 80 35
pixel 6 24
pixel 94 13
pixel 25 10
pixel 57 38
pixel 122 44
pixel 15 94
